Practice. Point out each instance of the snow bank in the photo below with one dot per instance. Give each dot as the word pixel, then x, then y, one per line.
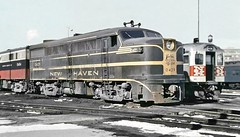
pixel 162 129
pixel 7 129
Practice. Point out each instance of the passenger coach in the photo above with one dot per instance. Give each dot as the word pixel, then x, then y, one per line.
pixel 14 69
pixel 204 70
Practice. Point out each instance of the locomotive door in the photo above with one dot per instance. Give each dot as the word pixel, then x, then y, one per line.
pixel 210 65
pixel 104 58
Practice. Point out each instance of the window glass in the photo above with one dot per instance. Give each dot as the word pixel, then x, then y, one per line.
pixel 153 34
pixel 128 34
pixel 11 56
pixel 186 59
pixel 113 41
pixel 208 60
pixel 198 58
pixel 220 59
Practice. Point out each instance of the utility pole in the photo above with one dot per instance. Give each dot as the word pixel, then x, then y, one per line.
pixel 198 23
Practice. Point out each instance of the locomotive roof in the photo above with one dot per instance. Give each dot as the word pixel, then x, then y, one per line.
pixel 89 35
pixel 200 46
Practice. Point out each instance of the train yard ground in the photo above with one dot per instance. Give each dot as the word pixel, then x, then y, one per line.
pixel 24 115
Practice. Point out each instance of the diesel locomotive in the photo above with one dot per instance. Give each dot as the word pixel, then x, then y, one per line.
pixel 117 64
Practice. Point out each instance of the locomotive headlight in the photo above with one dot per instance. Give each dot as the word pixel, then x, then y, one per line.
pixel 169 45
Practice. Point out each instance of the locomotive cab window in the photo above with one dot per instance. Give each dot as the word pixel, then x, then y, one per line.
pixel 128 34
pixel 199 58
pixel 153 34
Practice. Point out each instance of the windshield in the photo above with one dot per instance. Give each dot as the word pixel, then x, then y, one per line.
pixel 132 34
pixel 153 34
pixel 128 34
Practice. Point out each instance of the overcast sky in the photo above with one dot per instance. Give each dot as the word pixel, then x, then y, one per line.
pixel 26 22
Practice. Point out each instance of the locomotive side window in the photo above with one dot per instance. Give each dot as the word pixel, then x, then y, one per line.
pixel 220 59
pixel 113 41
pixel 199 58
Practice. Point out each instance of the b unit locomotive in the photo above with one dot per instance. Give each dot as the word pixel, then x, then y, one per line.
pixel 118 64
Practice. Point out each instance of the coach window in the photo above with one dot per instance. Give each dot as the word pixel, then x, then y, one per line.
pixel 220 59
pixel 16 56
pixel 198 58
pixel 185 58
pixel 10 56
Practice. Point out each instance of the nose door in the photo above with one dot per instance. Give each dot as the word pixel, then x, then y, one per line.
pixel 210 65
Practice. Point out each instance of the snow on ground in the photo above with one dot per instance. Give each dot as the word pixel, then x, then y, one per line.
pixel 231 94
pixel 5 121
pixel 162 129
pixel 33 112
pixel 198 116
pixel 54 130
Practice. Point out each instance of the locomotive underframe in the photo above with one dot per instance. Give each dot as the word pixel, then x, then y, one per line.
pixel 111 90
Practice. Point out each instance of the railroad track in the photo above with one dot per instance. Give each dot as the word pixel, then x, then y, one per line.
pixel 212 120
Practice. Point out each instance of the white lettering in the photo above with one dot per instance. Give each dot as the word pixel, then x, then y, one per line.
pixel 85 73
